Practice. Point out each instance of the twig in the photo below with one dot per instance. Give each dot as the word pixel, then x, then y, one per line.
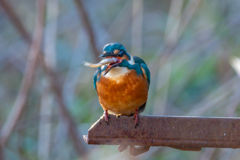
pixel 44 132
pixel 122 21
pixel 171 37
pixel 137 23
pixel 225 153
pixel 173 23
pixel 188 14
pixel 28 76
pixel 75 68
pixel 234 101
pixel 44 137
pixel 86 22
pixel 213 98
pixel 72 126
pixel 9 10
pixel 56 89
pixel 164 74
pixel 172 41
pixel 1 153
pixel 207 153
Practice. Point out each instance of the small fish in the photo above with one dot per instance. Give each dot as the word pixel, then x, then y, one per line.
pixel 101 63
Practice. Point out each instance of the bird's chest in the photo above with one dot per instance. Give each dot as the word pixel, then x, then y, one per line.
pixel 118 74
pixel 121 89
pixel 117 80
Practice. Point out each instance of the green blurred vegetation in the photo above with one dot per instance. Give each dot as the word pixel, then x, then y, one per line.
pixel 186 44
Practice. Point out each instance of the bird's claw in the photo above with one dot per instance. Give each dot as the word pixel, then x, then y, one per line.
pixel 122 147
pixel 106 116
pixel 136 118
pixel 134 151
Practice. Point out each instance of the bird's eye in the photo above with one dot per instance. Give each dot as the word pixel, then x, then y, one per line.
pixel 116 51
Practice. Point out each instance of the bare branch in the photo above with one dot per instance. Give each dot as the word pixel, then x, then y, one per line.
pixel 187 14
pixel 10 12
pixel 54 85
pixel 207 153
pixel 177 30
pixel 1 152
pixel 44 136
pixel 86 22
pixel 173 22
pixel 72 126
pixel 137 25
pixel 28 76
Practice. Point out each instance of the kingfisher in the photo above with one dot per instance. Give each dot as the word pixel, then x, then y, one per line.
pixel 121 82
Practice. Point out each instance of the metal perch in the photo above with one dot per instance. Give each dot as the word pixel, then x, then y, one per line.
pixel 184 133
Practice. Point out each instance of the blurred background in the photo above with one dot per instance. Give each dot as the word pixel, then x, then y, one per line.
pixel 47 96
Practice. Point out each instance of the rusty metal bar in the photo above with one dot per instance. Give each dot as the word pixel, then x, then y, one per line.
pixel 185 133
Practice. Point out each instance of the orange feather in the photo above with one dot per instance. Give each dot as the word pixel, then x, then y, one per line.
pixel 124 95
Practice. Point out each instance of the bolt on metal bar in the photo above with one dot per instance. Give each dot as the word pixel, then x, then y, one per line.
pixel 184 133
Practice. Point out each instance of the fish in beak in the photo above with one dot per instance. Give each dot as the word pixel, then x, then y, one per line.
pixel 110 61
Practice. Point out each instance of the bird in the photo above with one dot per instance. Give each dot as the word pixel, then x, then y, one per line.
pixel 121 82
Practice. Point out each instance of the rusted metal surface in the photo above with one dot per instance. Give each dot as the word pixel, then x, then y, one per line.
pixel 185 133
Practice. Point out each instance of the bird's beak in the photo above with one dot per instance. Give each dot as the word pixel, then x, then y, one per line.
pixel 110 66
pixel 108 54
pixel 102 55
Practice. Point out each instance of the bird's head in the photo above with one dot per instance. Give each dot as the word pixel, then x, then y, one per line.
pixel 113 54
pixel 115 50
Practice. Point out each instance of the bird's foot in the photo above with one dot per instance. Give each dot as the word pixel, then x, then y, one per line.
pixel 136 118
pixel 106 116
pixel 134 151
pixel 122 147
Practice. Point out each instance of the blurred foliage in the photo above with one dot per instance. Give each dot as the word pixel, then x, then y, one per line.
pixel 194 78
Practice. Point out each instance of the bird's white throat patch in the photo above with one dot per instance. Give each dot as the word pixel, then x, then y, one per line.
pixel 117 72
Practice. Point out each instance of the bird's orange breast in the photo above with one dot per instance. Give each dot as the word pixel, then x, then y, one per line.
pixel 124 94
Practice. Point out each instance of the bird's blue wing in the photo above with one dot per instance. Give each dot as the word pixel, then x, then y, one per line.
pixel 97 75
pixel 144 67
pixel 146 72
pixel 138 60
